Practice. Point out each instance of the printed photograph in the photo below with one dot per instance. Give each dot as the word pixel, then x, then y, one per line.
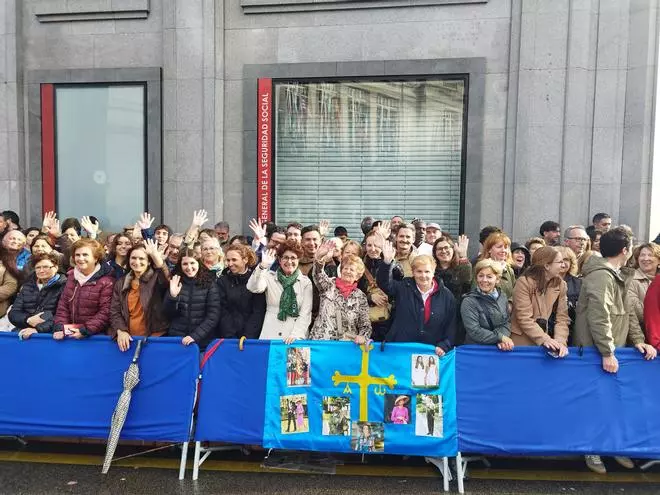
pixel 397 409
pixel 368 437
pixel 337 416
pixel 294 413
pixel 428 421
pixel 298 366
pixel 425 372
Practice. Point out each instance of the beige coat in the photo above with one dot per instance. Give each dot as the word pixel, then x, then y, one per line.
pixel 529 304
pixel 8 289
pixel 273 329
pixel 636 288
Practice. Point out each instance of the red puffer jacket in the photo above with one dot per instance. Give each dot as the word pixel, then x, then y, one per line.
pixel 87 305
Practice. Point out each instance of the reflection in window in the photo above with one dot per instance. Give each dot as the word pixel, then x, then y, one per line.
pixel 100 152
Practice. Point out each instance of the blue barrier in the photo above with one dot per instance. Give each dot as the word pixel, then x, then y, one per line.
pixel 257 396
pixel 70 388
pixel 529 403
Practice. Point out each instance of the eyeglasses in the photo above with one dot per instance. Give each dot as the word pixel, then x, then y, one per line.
pixel 289 258
pixel 443 248
pixel 581 239
pixel 49 267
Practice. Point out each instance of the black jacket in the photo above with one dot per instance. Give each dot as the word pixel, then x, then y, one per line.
pixel 408 324
pixel 31 301
pixel 242 311
pixel 194 312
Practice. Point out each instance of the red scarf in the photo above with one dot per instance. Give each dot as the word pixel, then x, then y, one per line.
pixel 427 303
pixel 344 288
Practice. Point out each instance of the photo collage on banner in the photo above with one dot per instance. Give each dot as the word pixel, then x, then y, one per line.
pixel 340 397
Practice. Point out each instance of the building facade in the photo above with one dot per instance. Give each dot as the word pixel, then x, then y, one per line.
pixel 465 112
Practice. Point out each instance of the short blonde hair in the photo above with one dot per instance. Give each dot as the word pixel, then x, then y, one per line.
pixel 490 264
pixel 568 253
pixel 423 259
pixel 351 259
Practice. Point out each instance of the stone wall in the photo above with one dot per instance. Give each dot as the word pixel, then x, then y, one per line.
pixel 566 123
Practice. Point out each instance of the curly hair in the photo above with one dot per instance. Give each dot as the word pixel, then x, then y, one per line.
pixel 244 252
pixel 290 245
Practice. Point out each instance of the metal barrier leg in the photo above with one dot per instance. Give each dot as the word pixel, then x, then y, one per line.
pixel 442 463
pixel 460 472
pixel 648 464
pixel 184 459
pixel 198 448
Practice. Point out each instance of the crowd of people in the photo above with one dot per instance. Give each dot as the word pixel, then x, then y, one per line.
pixel 399 282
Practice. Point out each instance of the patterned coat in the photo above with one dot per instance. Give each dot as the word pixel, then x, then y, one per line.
pixel 339 318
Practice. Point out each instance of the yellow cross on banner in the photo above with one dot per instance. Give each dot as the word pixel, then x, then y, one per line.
pixel 363 381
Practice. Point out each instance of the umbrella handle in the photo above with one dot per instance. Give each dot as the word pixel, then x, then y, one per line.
pixel 138 349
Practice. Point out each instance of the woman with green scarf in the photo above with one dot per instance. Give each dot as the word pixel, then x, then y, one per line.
pixel 288 294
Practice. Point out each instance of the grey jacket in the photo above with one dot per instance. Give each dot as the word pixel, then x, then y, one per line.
pixel 477 325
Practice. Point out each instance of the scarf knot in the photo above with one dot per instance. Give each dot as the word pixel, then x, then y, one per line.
pixel 288 301
pixel 345 288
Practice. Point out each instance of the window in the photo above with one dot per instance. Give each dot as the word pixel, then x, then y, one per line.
pixel 100 149
pixel 345 150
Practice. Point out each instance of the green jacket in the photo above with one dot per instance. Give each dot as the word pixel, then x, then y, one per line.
pixel 603 318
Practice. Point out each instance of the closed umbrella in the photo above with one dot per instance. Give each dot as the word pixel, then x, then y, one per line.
pixel 131 379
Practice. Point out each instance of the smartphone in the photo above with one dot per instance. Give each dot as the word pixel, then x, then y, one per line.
pixel 68 332
pixel 553 354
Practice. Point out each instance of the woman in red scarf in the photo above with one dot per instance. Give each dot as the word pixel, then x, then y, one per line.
pixel 344 310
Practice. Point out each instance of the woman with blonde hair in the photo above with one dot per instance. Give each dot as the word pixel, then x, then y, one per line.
pixel 485 311
pixel 498 247
pixel 540 306
pixel 647 263
pixel 344 310
pixel 242 311
pixel 425 308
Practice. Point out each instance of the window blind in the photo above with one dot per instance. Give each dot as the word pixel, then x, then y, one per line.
pixel 345 150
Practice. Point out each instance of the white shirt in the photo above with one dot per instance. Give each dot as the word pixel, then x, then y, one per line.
pixel 425 295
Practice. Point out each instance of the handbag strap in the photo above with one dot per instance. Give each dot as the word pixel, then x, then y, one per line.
pixel 370 278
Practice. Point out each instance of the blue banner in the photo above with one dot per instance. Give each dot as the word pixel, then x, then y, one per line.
pixel 526 402
pixel 233 393
pixel 330 397
pixel 71 387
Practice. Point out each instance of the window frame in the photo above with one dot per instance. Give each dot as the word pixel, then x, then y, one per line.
pixel 464 77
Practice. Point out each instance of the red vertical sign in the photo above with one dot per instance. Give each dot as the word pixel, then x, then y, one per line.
pixel 47 147
pixel 264 148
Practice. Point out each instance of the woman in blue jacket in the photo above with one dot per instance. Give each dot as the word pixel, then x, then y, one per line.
pixel 425 308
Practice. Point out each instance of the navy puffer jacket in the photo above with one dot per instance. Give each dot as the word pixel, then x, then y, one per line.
pixel 31 301
pixel 194 312
pixel 408 324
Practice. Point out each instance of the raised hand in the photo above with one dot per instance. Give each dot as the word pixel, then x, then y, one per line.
pixel 384 229
pixel 268 257
pixel 175 285
pixel 258 229
pixel 324 252
pixel 92 228
pixel 388 251
pixel 145 221
pixel 324 228
pixel 461 247
pixel 51 225
pixel 200 217
pixel 152 249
